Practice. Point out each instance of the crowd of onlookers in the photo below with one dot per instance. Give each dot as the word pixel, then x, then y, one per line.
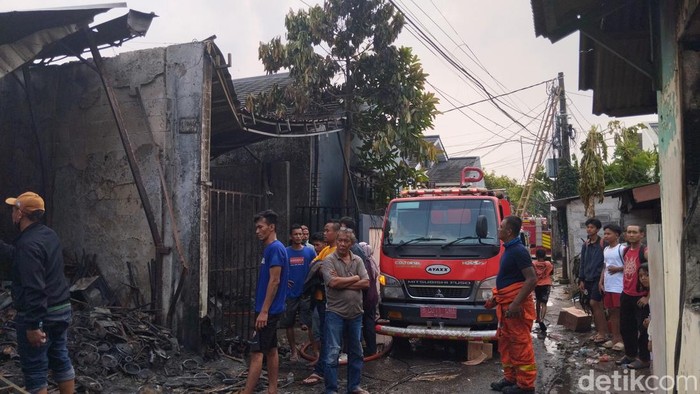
pixel 615 278
pixel 325 281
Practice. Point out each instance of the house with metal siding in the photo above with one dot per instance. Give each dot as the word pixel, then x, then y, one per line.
pixel 642 57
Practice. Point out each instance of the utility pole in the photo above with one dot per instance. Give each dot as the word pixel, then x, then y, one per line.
pixel 563 122
pixel 564 160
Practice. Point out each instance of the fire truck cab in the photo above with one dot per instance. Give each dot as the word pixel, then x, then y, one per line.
pixel 439 259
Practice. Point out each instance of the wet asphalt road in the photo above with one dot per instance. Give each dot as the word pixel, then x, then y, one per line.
pixel 562 358
pixel 421 367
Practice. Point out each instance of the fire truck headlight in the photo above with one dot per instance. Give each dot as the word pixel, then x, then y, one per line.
pixel 390 287
pixel 485 290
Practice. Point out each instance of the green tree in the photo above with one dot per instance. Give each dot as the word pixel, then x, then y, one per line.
pixel 631 165
pixel 566 184
pixel 344 52
pixel 592 182
pixel 502 182
pixel 541 193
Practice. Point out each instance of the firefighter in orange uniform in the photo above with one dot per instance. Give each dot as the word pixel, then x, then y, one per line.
pixel 515 310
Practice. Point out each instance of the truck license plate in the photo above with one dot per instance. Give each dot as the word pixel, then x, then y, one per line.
pixel 438 312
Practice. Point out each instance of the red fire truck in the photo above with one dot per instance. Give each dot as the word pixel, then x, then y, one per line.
pixel 439 258
pixel 539 234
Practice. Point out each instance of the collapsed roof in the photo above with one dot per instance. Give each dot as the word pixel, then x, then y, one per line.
pixel 50 34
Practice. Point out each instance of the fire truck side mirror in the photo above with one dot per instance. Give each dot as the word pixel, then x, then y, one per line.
pixel 482 226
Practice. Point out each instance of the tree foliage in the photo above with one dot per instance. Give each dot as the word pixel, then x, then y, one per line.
pixel 502 182
pixel 566 183
pixel 631 165
pixel 592 182
pixel 541 193
pixel 343 51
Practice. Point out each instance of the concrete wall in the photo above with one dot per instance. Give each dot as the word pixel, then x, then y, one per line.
pixel 608 212
pixel 677 256
pixel 89 188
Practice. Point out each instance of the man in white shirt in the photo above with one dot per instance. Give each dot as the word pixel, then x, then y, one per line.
pixel 611 282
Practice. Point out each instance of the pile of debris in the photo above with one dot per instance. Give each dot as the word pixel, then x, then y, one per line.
pixel 115 350
pixel 120 349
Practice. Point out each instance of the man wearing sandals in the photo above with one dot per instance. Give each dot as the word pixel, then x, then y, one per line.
pixel 299 259
pixel 345 277
pixel 590 268
pixel 314 284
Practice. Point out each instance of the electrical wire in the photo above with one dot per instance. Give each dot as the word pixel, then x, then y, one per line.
pixel 501 95
pixel 463 43
pixel 452 54
pixel 445 95
pixel 419 35
pixel 427 41
pixel 580 94
pixel 448 99
pixel 458 45
pixel 568 100
pixel 509 139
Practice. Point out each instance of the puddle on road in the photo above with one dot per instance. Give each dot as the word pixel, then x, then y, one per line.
pixel 553 369
pixel 551 346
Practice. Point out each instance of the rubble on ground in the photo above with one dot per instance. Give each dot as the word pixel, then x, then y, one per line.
pixel 116 349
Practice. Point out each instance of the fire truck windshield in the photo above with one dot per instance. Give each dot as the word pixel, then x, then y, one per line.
pixel 440 222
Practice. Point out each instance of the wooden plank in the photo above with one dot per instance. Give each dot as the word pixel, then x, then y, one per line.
pixel 7 386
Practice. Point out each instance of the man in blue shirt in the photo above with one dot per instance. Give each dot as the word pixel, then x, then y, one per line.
pixel 299 259
pixel 592 263
pixel 269 302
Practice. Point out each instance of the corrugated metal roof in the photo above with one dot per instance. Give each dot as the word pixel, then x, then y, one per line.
pixel 228 135
pixel 108 34
pixel 16 25
pixel 46 34
pixel 262 83
pixel 619 89
pixel 329 108
pixel 647 192
pixel 556 19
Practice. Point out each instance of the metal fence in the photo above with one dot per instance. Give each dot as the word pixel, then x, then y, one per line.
pixel 316 217
pixel 234 261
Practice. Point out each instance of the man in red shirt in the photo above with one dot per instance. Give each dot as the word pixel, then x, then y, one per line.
pixel 632 300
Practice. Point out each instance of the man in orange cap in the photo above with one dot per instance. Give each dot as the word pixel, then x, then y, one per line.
pixel 41 297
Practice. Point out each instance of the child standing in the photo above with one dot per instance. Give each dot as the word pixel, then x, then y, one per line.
pixel 644 306
pixel 544 270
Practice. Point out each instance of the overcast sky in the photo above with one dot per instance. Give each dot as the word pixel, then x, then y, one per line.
pixel 497 34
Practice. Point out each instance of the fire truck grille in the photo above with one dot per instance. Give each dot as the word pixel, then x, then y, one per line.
pixel 439 289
